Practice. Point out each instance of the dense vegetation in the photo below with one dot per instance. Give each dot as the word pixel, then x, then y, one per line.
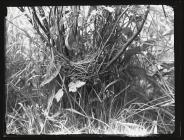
pixel 90 69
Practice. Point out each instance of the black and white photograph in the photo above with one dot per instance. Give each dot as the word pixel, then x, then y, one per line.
pixel 90 69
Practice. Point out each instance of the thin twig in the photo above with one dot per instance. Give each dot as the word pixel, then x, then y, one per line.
pixel 130 40
pixel 114 27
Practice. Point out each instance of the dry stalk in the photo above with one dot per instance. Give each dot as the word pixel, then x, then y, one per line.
pixel 130 40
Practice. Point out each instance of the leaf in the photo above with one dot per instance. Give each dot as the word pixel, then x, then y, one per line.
pixel 59 95
pixel 74 85
pixel 66 39
pixel 50 100
pixel 80 84
pixel 72 89
pixel 50 77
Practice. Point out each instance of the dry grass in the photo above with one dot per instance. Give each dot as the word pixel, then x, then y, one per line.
pixel 123 84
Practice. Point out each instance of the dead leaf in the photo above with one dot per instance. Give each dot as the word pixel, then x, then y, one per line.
pixel 74 85
pixel 59 95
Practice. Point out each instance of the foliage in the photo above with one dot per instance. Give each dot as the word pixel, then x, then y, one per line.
pixel 88 68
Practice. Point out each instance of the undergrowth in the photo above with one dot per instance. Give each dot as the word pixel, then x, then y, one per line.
pixel 107 71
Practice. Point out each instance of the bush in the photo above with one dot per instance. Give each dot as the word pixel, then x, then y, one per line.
pixel 81 70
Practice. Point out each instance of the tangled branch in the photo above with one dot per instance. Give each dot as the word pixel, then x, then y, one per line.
pixel 130 40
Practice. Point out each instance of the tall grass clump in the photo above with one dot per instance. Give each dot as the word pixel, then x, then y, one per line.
pixel 90 69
